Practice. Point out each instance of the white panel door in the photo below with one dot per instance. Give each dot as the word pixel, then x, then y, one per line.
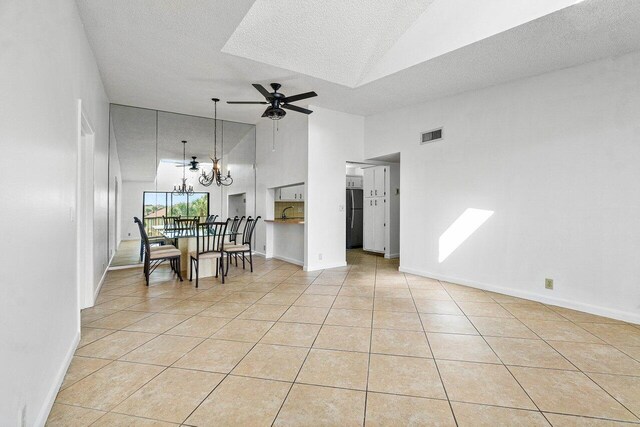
pixel 368 239
pixel 379 224
pixel 369 182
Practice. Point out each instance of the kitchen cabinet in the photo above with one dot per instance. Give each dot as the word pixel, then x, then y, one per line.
pixel 294 193
pixel 374 235
pixel 374 181
pixel 354 181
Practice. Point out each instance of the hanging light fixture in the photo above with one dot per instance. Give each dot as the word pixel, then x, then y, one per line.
pixel 215 175
pixel 183 188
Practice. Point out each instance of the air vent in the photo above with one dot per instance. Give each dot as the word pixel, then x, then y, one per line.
pixel 431 136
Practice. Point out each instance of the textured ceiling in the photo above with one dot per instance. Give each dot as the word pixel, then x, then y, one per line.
pixel 168 55
pixel 334 40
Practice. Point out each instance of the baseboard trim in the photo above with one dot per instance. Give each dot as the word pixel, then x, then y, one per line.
pixel 574 305
pixel 101 282
pixel 126 267
pixel 391 256
pixel 289 260
pixel 324 267
pixel 53 391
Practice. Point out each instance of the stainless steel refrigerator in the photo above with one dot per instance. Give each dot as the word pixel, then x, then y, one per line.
pixel 354 218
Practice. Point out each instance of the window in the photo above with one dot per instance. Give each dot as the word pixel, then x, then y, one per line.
pixel 156 204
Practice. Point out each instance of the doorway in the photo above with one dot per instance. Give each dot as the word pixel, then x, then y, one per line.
pixel 237 205
pixel 84 211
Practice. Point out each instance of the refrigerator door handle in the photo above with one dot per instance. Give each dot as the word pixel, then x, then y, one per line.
pixel 352 209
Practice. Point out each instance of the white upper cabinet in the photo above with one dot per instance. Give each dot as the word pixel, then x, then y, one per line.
pixel 374 181
pixel 354 181
pixel 368 182
pixel 293 193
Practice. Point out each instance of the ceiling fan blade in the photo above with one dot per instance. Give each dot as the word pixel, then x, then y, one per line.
pixel 296 108
pixel 300 96
pixel 262 90
pixel 247 102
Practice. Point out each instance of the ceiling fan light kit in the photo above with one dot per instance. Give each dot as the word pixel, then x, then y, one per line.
pixel 278 102
pixel 215 175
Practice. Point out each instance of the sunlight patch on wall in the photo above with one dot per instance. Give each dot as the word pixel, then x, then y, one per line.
pixel 463 227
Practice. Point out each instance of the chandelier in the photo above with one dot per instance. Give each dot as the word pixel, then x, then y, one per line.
pixel 215 175
pixel 184 188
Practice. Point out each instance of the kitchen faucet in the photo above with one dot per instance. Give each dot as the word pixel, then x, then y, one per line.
pixel 284 215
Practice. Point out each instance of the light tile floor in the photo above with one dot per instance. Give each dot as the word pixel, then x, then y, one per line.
pixel 364 344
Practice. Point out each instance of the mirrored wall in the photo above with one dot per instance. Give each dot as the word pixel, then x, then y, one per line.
pixel 146 162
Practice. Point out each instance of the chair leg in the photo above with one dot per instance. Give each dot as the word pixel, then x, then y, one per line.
pixel 197 266
pixel 190 269
pixel 222 268
pixel 251 260
pixel 217 266
pixel 178 263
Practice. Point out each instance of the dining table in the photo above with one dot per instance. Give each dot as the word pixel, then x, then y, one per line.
pixel 184 239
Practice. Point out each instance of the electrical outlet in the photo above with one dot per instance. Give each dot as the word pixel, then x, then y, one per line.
pixel 264 247
pixel 129 234
pixel 320 257
pixel 548 284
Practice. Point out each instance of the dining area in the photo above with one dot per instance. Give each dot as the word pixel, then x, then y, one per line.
pixel 185 199
pixel 204 248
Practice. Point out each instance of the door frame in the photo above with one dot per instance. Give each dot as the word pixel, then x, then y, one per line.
pixel 85 210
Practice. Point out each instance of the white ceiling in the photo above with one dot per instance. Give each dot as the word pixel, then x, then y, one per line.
pixel 334 40
pixel 167 54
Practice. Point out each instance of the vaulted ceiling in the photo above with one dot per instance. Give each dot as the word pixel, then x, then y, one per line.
pixel 361 56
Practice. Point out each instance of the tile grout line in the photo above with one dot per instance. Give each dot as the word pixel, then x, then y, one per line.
pixel 306 356
pixel 435 362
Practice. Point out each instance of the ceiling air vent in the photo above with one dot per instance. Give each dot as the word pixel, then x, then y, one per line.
pixel 431 136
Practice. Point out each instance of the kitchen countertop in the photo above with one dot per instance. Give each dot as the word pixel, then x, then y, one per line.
pixel 286 221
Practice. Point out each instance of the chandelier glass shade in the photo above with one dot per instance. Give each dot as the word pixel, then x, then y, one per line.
pixel 183 188
pixel 215 174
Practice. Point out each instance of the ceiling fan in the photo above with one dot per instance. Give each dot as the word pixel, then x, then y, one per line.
pixel 277 101
pixel 193 164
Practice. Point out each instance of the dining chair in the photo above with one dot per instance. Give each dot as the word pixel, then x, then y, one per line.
pixel 233 234
pixel 212 218
pixel 153 258
pixel 185 226
pixel 209 246
pixel 246 246
pixel 159 240
pixel 168 222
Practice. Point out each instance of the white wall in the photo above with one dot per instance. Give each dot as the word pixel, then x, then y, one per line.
pixel 334 138
pixel 240 161
pixel 46 65
pixel 284 166
pixel 556 158
pixel 392 230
